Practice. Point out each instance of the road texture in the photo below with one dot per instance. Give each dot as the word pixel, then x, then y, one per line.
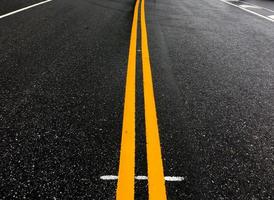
pixel 71 89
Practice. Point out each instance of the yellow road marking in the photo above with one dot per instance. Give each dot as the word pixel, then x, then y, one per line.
pixel 156 181
pixel 125 185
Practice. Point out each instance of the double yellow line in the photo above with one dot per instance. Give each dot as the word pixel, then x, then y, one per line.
pixel 156 182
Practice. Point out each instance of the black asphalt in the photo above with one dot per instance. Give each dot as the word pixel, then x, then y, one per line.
pixel 62 80
pixel 63 68
pixel 213 75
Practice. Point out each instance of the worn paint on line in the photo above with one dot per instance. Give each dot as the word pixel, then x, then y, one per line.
pixel 156 181
pixel 250 6
pixel 249 11
pixel 125 185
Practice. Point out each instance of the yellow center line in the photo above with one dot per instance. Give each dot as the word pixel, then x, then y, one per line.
pixel 125 185
pixel 156 181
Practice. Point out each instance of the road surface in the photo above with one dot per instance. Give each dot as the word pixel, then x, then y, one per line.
pixel 80 109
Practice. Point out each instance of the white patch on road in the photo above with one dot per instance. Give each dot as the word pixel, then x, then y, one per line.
pixel 249 11
pixel 109 177
pixel 250 6
pixel 141 178
pixel 271 16
pixel 174 178
pixel 22 9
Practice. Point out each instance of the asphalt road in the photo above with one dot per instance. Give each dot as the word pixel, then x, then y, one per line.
pixel 63 69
